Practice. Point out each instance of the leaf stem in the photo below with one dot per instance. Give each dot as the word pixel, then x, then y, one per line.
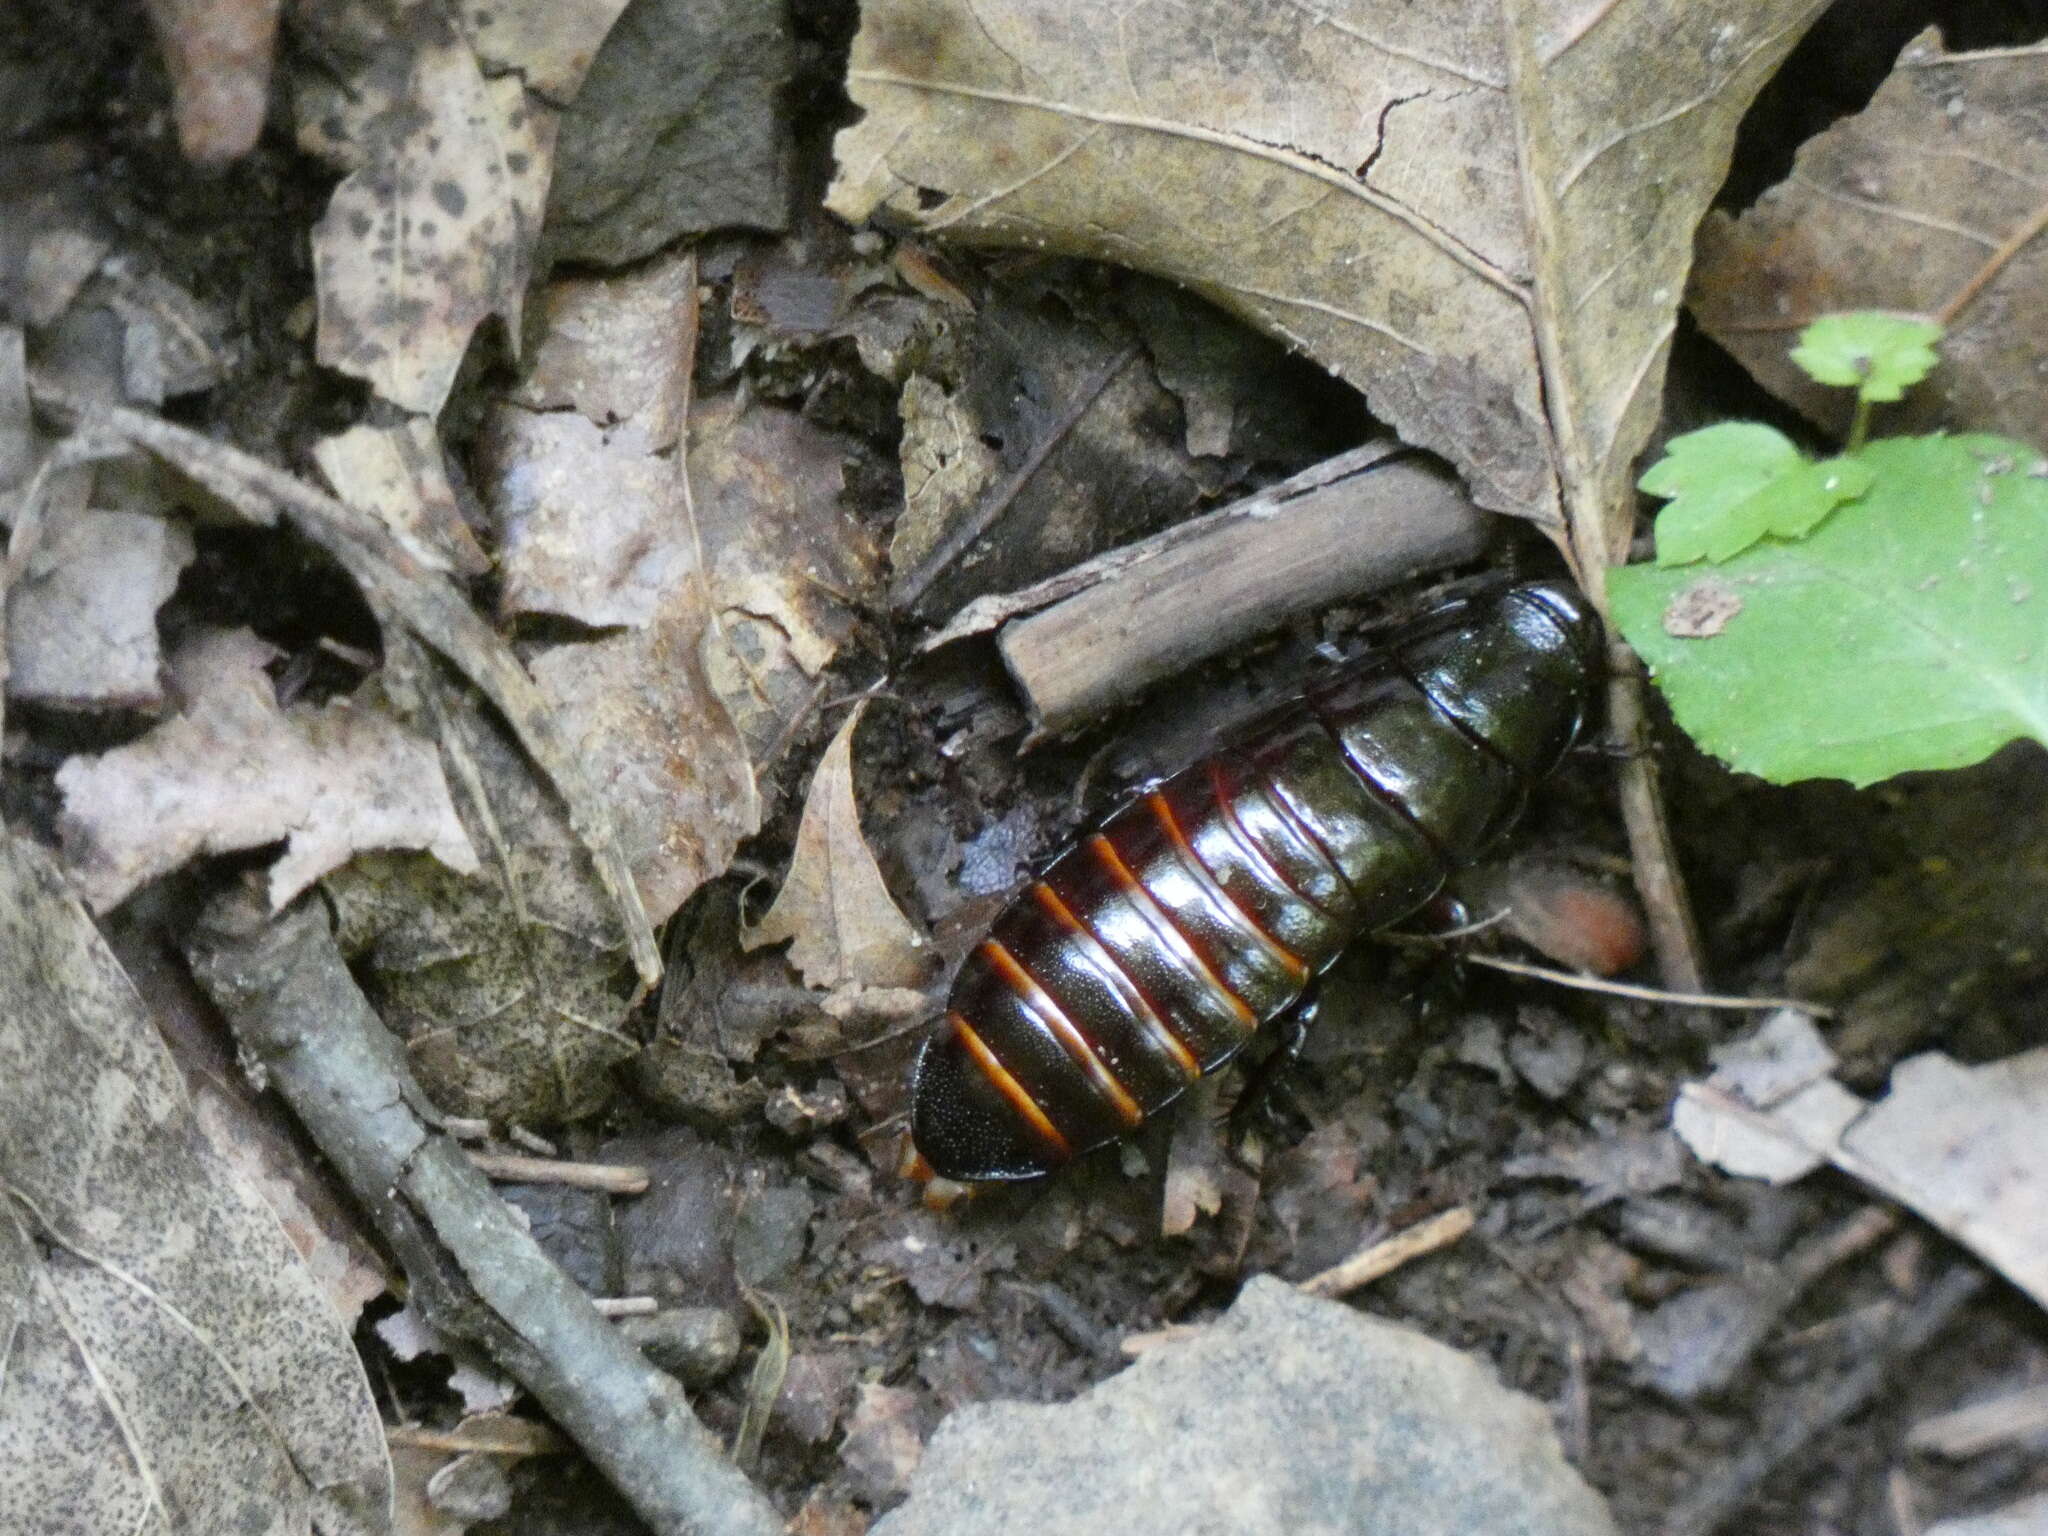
pixel 1859 425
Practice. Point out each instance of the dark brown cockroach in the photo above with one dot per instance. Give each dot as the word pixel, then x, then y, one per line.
pixel 1150 952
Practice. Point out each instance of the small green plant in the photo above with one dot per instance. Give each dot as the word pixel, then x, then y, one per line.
pixel 1851 617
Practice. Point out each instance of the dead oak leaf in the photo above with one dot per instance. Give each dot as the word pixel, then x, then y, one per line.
pixel 231 771
pixel 843 927
pixel 1480 212
pixel 1930 201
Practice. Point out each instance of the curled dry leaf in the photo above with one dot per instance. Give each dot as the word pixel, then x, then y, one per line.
pixel 230 770
pixel 81 625
pixel 449 156
pixel 1480 214
pixel 170 1364
pixel 844 928
pixel 1930 201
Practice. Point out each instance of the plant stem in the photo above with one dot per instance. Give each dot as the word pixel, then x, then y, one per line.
pixel 1859 425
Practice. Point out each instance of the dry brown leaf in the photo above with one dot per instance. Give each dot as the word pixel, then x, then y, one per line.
pixel 1481 213
pixel 579 465
pixel 449 157
pixel 618 349
pixel 81 626
pixel 432 233
pixel 790 563
pixel 170 1365
pixel 1930 201
pixel 399 475
pixel 659 746
pixel 230 770
pixel 844 928
pixel 218 57
pixel 1960 1145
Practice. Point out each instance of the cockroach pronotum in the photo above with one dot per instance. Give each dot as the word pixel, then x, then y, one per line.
pixel 1151 950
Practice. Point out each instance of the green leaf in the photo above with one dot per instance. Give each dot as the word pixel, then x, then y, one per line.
pixel 1907 631
pixel 1707 473
pixel 1879 356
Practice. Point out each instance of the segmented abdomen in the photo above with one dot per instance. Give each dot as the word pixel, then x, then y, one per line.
pixel 1153 949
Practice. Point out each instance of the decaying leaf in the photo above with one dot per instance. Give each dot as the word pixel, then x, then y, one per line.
pixel 449 158
pixel 1960 1145
pixel 1931 201
pixel 81 626
pixel 580 466
pixel 1480 214
pixel 170 1365
pixel 790 563
pixel 846 931
pixel 230 770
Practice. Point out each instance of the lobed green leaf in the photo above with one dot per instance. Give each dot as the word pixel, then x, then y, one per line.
pixel 1879 356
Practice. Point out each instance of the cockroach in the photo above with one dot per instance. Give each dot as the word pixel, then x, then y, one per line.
pixel 1151 951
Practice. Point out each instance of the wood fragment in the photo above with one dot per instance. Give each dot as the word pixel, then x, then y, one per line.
pixel 1389 1254
pixel 608 1178
pixel 1352 525
pixel 473 1269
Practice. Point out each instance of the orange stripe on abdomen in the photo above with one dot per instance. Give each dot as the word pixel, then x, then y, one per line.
pixel 1006 1084
pixel 1043 1007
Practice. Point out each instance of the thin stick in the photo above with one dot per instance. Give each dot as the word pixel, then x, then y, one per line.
pixel 2000 258
pixel 502 1436
pixel 1389 1254
pixel 608 1178
pixel 1646 994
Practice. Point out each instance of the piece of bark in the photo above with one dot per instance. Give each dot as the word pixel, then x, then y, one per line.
pixel 1357 522
pixel 475 1270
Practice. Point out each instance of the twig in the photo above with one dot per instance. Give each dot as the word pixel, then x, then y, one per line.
pixel 1389 1254
pixel 1343 528
pixel 918 580
pixel 1646 994
pixel 608 1178
pixel 1718 1498
pixel 502 1436
pixel 473 1269
pixel 423 602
